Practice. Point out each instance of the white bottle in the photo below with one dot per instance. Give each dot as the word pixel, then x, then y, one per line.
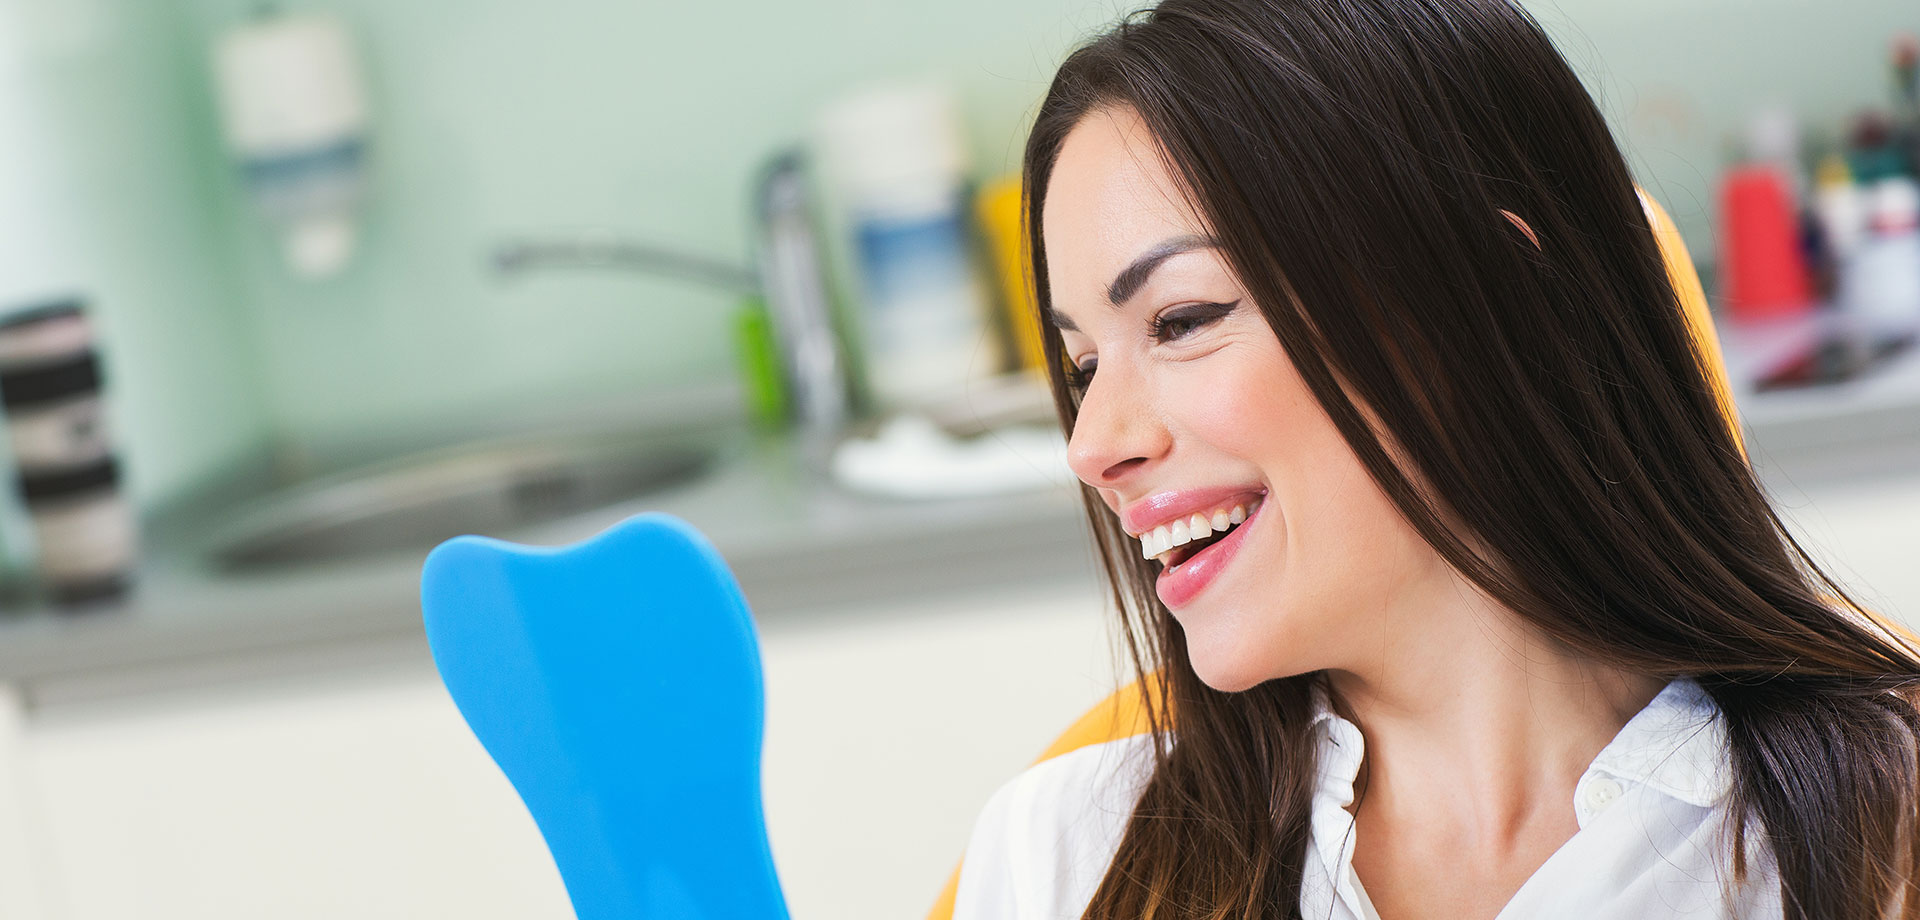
pixel 1882 276
pixel 294 111
pixel 1840 207
pixel 897 162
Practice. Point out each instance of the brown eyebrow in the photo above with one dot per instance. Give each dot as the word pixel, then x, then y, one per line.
pixel 1132 278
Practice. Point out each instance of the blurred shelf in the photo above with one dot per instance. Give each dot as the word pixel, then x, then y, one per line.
pixel 800 547
pixel 1862 428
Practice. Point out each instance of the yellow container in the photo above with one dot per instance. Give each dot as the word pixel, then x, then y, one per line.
pixel 998 209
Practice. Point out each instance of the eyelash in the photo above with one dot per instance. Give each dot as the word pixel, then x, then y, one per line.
pixel 1199 315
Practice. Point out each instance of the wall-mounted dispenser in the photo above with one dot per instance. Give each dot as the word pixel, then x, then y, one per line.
pixel 294 114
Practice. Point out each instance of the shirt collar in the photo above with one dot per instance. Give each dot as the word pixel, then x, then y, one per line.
pixel 1331 838
pixel 1676 745
pixel 1341 749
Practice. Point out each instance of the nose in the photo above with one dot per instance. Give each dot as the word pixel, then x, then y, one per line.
pixel 1117 432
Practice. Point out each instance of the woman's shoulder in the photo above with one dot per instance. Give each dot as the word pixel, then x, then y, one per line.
pixel 1044 840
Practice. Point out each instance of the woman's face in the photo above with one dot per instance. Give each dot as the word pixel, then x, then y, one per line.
pixel 1207 414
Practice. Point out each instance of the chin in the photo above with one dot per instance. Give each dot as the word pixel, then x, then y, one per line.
pixel 1228 671
pixel 1231 664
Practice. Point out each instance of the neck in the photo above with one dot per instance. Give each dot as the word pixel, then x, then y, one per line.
pixel 1477 722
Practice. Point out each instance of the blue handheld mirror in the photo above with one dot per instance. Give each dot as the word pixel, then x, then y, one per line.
pixel 616 682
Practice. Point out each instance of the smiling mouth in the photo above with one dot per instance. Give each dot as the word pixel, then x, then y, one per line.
pixel 1173 543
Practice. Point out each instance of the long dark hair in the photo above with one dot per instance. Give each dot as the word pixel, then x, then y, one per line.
pixel 1352 157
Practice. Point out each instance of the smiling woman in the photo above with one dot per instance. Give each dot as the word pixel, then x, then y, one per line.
pixel 1419 508
pixel 1189 406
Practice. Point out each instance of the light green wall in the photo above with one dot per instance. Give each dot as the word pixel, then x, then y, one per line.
pixel 127 157
pixel 498 119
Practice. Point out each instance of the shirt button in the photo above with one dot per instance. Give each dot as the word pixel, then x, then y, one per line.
pixel 1600 793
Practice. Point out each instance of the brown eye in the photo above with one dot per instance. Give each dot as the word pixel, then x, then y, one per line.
pixel 1175 328
pixel 1181 322
pixel 1078 378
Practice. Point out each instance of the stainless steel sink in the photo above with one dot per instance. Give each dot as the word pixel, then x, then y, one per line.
pixel 415 502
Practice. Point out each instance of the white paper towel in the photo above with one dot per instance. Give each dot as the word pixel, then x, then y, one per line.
pixel 911 457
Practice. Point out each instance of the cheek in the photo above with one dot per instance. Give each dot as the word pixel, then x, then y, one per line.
pixel 1336 551
pixel 1253 406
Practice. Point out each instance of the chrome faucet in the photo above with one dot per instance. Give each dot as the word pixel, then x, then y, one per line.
pixel 585 252
pixel 787 272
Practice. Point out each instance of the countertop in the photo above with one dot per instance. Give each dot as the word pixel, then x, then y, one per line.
pixel 801 547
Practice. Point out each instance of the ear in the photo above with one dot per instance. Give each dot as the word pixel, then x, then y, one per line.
pixel 1523 226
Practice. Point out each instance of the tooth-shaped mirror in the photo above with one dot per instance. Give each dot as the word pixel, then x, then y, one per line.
pixel 616 682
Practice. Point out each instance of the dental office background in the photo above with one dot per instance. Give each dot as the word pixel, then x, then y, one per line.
pixel 226 739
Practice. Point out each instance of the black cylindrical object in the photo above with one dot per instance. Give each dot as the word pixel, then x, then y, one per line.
pixel 69 479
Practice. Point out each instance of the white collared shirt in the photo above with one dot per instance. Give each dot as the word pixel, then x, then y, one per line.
pixel 1652 842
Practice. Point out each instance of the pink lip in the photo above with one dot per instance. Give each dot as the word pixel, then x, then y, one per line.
pixel 1166 507
pixel 1178 586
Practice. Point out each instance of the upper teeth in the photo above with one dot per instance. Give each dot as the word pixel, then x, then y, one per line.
pixel 1193 527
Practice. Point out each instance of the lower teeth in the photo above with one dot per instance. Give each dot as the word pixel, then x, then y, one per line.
pixel 1175 557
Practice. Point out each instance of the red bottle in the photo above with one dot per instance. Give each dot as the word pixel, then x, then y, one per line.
pixel 1763 271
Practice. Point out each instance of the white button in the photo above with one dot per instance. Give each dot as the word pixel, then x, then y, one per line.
pixel 1600 793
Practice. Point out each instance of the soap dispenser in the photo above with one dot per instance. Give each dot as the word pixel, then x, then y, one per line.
pixel 294 114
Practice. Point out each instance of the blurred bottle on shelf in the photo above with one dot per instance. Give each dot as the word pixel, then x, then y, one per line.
pixel 1763 268
pixel 82 525
pixel 1840 222
pixel 999 209
pixel 1880 283
pixel 294 113
pixel 896 160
